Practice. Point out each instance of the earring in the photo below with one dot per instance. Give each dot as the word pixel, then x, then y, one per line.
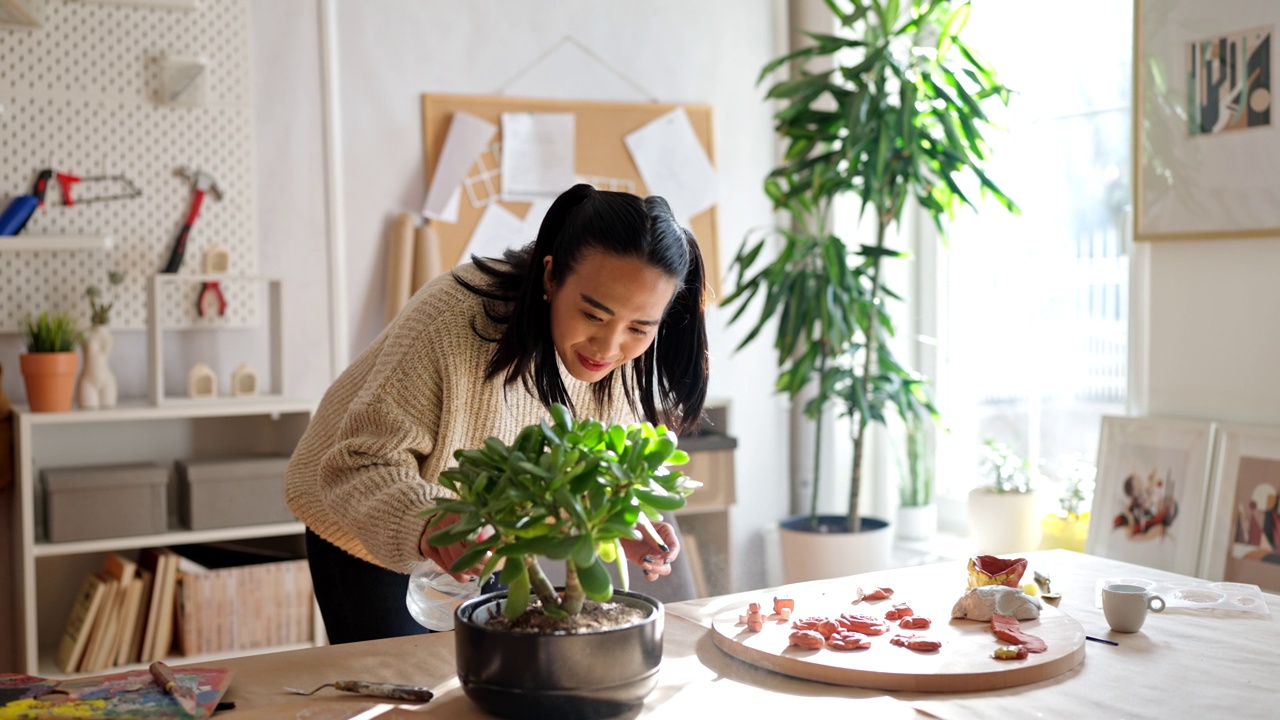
pixel 544 298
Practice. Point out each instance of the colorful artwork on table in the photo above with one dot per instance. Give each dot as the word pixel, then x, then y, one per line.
pixel 1147 507
pixel 1149 500
pixel 123 695
pixel 1255 553
pixel 1229 82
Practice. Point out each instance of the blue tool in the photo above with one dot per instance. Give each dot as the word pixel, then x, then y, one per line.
pixel 21 208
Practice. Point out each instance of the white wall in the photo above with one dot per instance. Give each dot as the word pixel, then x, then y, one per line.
pixel 1213 337
pixel 390 52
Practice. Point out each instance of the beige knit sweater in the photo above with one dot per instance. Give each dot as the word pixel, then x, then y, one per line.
pixel 368 462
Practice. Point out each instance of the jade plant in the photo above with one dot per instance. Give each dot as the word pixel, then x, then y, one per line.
pixel 51 332
pixel 570 492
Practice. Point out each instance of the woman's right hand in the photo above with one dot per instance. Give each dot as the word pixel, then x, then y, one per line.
pixel 445 555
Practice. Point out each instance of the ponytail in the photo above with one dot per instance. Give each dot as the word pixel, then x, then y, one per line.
pixel 684 365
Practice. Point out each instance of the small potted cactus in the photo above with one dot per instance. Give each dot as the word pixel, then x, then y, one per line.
pixel 566 492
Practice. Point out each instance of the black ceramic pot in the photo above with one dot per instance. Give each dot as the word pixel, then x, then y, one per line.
pixel 568 677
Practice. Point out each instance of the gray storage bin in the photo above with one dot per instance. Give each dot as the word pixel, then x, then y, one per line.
pixel 231 492
pixel 106 501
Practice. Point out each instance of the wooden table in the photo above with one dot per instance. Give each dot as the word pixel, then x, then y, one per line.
pixel 1184 663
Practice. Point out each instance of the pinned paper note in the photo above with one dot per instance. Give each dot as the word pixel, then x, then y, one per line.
pixel 537 155
pixel 467 138
pixel 674 165
pixel 497 230
pixel 500 230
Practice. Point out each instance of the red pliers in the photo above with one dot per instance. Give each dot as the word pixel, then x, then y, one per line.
pixel 217 294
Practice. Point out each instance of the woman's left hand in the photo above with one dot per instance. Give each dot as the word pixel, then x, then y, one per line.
pixel 649 556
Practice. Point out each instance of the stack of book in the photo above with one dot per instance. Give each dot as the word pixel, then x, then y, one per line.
pixel 188 601
pixel 123 614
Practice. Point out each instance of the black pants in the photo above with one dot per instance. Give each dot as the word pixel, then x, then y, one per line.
pixel 359 600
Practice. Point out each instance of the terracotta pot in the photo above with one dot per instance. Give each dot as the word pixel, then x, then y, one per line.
pixel 50 379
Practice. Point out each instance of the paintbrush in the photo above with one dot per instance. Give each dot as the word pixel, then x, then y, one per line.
pixel 168 682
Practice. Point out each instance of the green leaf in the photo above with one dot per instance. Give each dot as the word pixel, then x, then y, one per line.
pixel 595 581
pixel 560 414
pixel 513 569
pixel 616 437
pixel 451 535
pixel 518 596
pixel 584 551
pixel 561 548
pixel 659 499
pixel 473 554
pixel 954 24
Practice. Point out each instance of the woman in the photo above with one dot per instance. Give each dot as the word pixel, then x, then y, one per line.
pixel 603 312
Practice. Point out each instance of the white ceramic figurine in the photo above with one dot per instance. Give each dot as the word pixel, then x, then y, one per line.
pixel 980 602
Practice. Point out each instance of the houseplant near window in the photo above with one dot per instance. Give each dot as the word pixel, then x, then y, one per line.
pixel 50 363
pixel 1003 516
pixel 893 114
pixel 917 512
pixel 1068 528
pixel 567 492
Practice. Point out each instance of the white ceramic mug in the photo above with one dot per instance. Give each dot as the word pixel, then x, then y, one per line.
pixel 1126 606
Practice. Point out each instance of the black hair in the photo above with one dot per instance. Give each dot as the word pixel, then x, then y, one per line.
pixel 669 380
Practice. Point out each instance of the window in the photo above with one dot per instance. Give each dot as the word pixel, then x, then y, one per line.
pixel 1032 311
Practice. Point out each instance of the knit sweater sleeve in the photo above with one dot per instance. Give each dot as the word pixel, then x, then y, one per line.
pixel 370 478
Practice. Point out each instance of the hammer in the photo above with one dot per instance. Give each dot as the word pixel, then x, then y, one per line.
pixel 201 183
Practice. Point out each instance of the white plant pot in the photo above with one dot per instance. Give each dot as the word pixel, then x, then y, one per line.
pixel 812 555
pixel 1001 523
pixel 917 522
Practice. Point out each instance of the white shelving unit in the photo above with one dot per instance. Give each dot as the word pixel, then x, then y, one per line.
pixel 47 574
pixel 57 242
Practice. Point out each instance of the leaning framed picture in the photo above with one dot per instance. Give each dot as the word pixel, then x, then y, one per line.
pixel 1151 491
pixel 1243 541
pixel 1206 136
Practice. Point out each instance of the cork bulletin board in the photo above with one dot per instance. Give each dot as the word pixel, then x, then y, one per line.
pixel 601 158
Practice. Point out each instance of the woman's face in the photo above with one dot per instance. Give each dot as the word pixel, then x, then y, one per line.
pixel 606 312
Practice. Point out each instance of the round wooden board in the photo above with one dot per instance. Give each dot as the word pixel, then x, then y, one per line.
pixel 963 664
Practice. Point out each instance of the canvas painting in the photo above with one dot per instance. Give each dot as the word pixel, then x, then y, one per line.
pixel 133 694
pixel 1230 81
pixel 1149 499
pixel 1206 145
pixel 1244 526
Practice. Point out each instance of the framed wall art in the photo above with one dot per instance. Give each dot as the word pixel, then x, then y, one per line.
pixel 1206 133
pixel 1151 491
pixel 1243 540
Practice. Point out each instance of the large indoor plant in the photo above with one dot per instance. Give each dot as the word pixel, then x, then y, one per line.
pixel 567 492
pixel 887 110
pixel 50 363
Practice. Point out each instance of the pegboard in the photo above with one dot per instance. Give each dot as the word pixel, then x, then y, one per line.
pixel 78 96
